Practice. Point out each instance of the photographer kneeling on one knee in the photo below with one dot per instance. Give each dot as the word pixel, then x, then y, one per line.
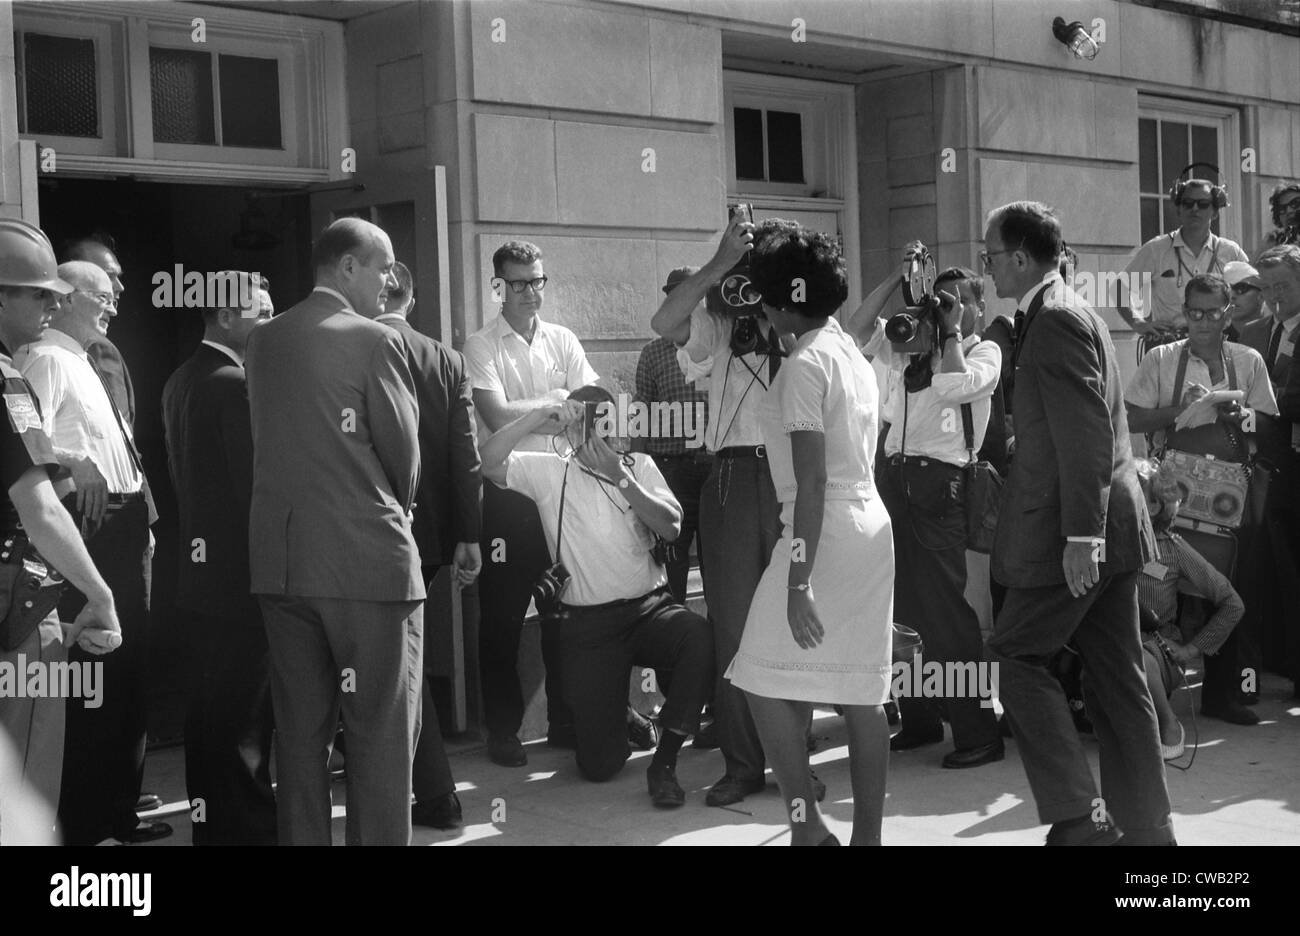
pixel 606 599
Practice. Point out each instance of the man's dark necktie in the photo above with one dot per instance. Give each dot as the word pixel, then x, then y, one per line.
pixel 126 436
pixel 1019 328
pixel 1270 357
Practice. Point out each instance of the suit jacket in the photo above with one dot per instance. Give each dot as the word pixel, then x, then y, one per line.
pixel 117 378
pixel 447 499
pixel 1073 472
pixel 1256 335
pixel 210 456
pixel 335 457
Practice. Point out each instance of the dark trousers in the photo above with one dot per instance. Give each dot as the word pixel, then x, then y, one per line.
pixel 431 771
pixel 740 523
pixel 1034 625
pixel 228 732
pixel 685 475
pixel 362 658
pixel 514 555
pixel 600 645
pixel 927 510
pixel 103 760
pixel 1273 597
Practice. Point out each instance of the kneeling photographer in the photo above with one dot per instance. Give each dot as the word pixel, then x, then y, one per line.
pixel 606 601
pixel 937 403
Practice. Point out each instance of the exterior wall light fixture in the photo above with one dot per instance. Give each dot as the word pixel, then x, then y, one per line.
pixel 1076 38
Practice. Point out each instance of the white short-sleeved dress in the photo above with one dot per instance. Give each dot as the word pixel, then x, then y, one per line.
pixel 827 385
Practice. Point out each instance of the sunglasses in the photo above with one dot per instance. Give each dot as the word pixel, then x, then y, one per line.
pixel 1214 315
pixel 1204 204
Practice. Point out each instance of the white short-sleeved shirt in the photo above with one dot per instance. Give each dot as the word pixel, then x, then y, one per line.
pixel 606 547
pixel 934 425
pixel 826 385
pixel 1152 387
pixel 736 384
pixel 498 358
pixel 1171 264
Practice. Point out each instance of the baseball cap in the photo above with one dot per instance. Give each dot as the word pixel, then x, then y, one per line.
pixel 677 276
pixel 1239 271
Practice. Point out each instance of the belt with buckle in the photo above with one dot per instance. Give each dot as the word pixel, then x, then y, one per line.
pixel 920 461
pixel 130 498
pixel 742 451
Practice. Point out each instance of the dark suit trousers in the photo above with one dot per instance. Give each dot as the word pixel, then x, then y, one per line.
pixel 600 646
pixel 228 732
pixel 1034 624
pixel 685 475
pixel 927 510
pixel 512 533
pixel 365 658
pixel 740 523
pixel 431 773
pixel 103 760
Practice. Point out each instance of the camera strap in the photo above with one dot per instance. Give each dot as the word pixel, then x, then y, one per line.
pixel 559 532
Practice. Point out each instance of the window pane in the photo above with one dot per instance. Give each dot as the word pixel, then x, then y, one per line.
pixel 1173 152
pixel 60 78
pixel 784 147
pixel 1171 214
pixel 1205 148
pixel 1148 172
pixel 250 101
pixel 1150 218
pixel 748 123
pixel 181 96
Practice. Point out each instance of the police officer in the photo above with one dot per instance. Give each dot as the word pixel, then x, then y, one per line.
pixel 37 534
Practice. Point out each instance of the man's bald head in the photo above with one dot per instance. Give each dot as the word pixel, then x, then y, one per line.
pixel 355 258
pixel 92 251
pixel 85 274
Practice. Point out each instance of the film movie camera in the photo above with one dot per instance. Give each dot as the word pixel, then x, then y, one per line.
pixel 741 299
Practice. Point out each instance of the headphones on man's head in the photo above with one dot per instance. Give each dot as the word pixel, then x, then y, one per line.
pixel 1218 193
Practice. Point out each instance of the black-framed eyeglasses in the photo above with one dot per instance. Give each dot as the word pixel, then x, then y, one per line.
pixel 1204 204
pixel 518 286
pixel 1214 315
pixel 986 256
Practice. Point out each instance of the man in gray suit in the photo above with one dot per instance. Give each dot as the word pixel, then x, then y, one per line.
pixel 331 553
pixel 1073 536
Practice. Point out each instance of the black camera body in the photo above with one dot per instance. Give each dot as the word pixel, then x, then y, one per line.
pixel 916 330
pixel 549 587
pixel 741 300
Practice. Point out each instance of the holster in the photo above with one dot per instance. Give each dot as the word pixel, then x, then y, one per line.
pixel 29 589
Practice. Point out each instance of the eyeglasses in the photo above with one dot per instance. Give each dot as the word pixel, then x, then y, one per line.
pixel 1214 315
pixel 1204 204
pixel 986 256
pixel 106 300
pixel 518 286
pixel 1242 288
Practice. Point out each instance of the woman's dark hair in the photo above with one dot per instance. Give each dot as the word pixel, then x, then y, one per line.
pixel 1275 200
pixel 797 269
pixel 1031 227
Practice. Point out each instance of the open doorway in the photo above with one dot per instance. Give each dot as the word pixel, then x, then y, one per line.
pixel 154 227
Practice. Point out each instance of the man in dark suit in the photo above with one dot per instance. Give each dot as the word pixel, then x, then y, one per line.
pixel 446 522
pixel 210 453
pixel 1073 535
pixel 331 554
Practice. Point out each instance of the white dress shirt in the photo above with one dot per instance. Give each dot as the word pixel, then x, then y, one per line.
pixel 76 411
pixel 226 350
pixel 736 384
pixel 499 358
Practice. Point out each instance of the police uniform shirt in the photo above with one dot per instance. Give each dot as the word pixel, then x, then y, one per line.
pixel 1170 262
pixel 23 443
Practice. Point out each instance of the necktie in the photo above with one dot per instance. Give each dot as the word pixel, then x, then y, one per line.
pixel 1270 357
pixel 126 436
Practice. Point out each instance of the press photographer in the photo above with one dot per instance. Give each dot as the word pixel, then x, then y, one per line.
pixel 733 352
pixel 940 383
pixel 605 601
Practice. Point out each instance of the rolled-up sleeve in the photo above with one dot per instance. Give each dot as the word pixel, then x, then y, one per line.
pixel 977 381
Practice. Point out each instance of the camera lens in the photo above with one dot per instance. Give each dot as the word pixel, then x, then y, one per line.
pixel 901 328
pixel 738 292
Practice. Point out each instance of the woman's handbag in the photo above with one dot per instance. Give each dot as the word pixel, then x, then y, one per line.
pixel 983 492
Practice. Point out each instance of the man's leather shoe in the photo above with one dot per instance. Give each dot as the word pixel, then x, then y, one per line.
pixel 562 736
pixel 148 801
pixel 147 832
pixel 665 791
pixel 976 756
pixel 1082 831
pixel 507 752
pixel 1232 712
pixel 641 731
pixel 443 812
pixel 906 740
pixel 730 790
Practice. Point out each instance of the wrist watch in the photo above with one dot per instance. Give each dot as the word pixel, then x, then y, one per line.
pixel 946 335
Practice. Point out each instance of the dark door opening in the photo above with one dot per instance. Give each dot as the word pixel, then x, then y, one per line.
pixel 154 227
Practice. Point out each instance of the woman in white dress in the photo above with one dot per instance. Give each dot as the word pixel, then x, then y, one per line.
pixel 820 624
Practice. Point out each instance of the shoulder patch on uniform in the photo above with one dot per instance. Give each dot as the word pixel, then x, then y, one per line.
pixel 22 412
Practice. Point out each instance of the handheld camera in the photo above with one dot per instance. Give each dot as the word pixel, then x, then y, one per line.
pixel 741 300
pixel 916 329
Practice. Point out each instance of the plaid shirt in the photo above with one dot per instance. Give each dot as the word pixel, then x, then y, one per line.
pixel 1186 571
pixel 659 380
